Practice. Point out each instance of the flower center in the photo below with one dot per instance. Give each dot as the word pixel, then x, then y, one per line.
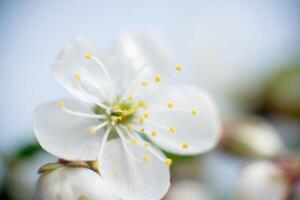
pixel 121 112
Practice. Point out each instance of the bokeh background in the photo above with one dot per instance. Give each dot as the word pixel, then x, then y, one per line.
pixel 245 53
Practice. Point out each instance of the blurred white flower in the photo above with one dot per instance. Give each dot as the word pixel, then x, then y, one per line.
pixel 181 119
pixel 74 184
pixel 188 189
pixel 253 136
pixel 262 180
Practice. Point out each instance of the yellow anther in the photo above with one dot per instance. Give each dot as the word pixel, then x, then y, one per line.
pixel 95 165
pixel 81 197
pixel 141 120
pixel 145 83
pixel 157 78
pixel 89 56
pixel 168 162
pixel 170 105
pixel 129 127
pixel 194 111
pixel 154 133
pixel 142 130
pixel 185 145
pixel 93 129
pixel 130 98
pixel 125 112
pixel 146 158
pixel 146 145
pixel 143 104
pixel 146 115
pixel 117 106
pixel 77 77
pixel 172 129
pixel 134 141
pixel 61 104
pixel 179 68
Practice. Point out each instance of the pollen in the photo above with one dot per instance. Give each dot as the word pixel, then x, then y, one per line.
pixel 89 56
pixel 185 145
pixel 154 133
pixel 168 162
pixel 130 98
pixel 146 158
pixel 77 77
pixel 146 115
pixel 145 83
pixel 170 105
pixel 92 129
pixel 142 130
pixel 172 129
pixel 129 127
pixel 157 78
pixel 61 104
pixel 141 120
pixel 179 68
pixel 194 111
pixel 143 104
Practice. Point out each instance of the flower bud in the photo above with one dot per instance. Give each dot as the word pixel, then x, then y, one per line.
pixel 74 183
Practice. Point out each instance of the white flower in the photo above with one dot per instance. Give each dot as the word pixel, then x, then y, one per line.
pixel 72 184
pixel 129 99
pixel 262 180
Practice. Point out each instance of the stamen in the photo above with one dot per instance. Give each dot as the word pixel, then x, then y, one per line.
pixel 146 158
pixel 172 129
pixel 154 133
pixel 141 120
pixel 133 83
pixel 129 127
pixel 61 104
pixel 194 111
pixel 185 145
pixel 168 161
pixel 80 114
pixel 123 140
pixel 77 77
pixel 170 105
pixel 145 83
pixel 179 68
pixel 146 115
pixel 130 98
pixel 89 56
pixel 143 104
pixel 142 130
pixel 147 145
pixel 91 97
pixel 157 78
pixel 94 129
pixel 104 140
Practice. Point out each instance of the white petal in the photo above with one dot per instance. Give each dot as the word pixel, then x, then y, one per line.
pixel 134 179
pixel 65 135
pixel 72 183
pixel 71 62
pixel 262 180
pixel 136 50
pixel 200 132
